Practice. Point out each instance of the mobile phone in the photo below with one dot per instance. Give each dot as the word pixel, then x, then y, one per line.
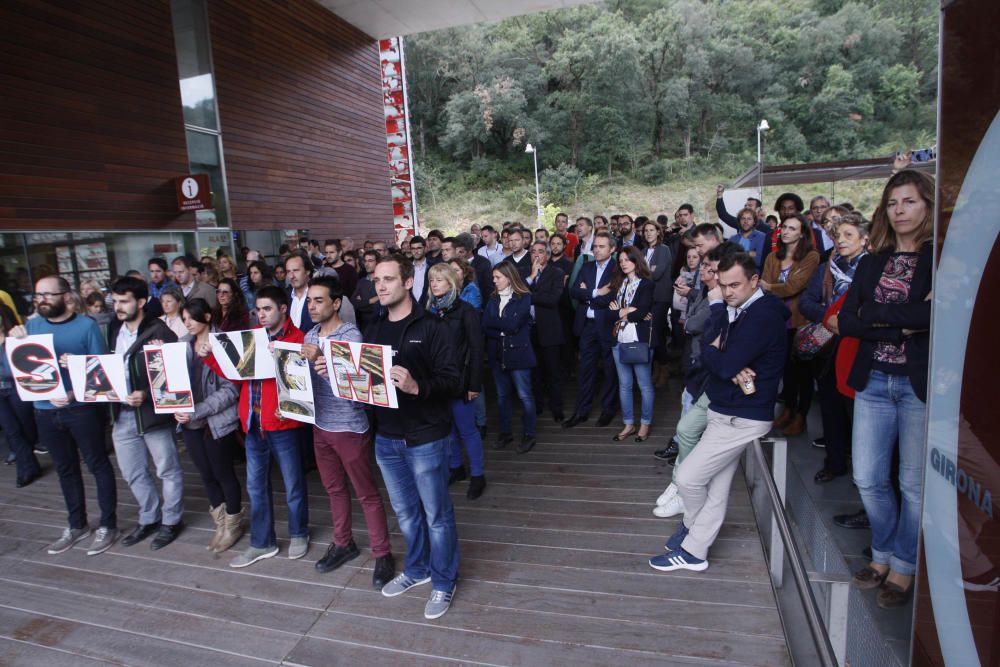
pixel 923 155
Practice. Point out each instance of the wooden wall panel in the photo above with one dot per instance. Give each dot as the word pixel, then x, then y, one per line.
pixel 300 107
pixel 91 130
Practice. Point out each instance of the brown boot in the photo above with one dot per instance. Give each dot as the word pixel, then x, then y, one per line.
pixel 232 531
pixel 218 515
pixel 795 427
pixel 784 419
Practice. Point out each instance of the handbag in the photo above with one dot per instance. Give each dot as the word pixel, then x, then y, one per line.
pixel 638 352
pixel 811 339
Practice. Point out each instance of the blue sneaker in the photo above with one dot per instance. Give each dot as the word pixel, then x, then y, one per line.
pixel 674 541
pixel 678 559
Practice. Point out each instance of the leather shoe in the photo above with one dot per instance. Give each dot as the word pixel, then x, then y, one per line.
pixel 605 419
pixel 853 521
pixel 337 556
pixel 668 453
pixel 573 421
pixel 139 533
pixel 527 444
pixel 165 535
pixel 456 475
pixel 385 570
pixel 25 481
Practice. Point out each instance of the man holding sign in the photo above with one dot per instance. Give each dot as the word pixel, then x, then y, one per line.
pixel 342 441
pixel 139 432
pixel 269 435
pixel 70 429
pixel 412 443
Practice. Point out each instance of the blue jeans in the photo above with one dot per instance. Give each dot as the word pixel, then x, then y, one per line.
pixel 888 409
pixel 283 446
pixel 643 373
pixel 133 452
pixel 464 431
pixel 480 404
pixel 417 481
pixel 507 383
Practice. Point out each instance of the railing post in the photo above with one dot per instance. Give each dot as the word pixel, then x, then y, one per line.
pixel 779 472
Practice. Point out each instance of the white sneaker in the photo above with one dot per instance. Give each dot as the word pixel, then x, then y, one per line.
pixel 666 496
pixel 673 507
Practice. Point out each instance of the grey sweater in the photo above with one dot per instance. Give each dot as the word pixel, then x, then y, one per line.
pixel 333 413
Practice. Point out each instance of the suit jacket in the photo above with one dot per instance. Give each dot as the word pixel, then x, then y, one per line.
pixel 484 276
pixel 603 318
pixel 202 291
pixel 546 294
pixel 663 260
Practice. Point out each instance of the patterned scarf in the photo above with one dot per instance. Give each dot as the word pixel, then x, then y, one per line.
pixel 439 304
pixel 843 273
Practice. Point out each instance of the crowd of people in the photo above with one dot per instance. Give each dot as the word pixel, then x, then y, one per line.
pixel 824 303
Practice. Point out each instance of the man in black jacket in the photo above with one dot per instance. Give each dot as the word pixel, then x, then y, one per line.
pixel 412 442
pixel 547 283
pixel 519 255
pixel 138 431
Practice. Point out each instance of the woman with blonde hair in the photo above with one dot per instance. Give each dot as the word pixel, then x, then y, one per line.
pixel 888 307
pixel 507 323
pixel 462 319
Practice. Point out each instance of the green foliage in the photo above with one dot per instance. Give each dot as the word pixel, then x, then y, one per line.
pixel 656 90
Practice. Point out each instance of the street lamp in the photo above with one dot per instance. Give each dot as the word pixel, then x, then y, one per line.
pixel 538 194
pixel 762 127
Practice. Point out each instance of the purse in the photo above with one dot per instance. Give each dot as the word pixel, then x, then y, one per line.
pixel 634 353
pixel 811 339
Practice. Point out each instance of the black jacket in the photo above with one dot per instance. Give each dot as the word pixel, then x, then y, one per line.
pixel 546 297
pixel 872 322
pixel 150 328
pixel 642 301
pixel 462 320
pixel 427 351
pixel 484 277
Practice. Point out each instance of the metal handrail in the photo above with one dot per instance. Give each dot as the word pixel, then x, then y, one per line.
pixel 824 648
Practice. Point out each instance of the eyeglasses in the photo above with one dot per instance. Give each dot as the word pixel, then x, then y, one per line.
pixel 46 295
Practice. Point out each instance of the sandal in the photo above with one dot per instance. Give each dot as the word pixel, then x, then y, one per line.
pixel 641 437
pixel 868 577
pixel 630 430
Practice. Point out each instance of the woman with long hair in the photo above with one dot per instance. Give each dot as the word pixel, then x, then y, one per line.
pixel 209 431
pixel 17 417
pixel 226 267
pixel 888 307
pixel 462 319
pixel 172 302
pixel 469 290
pixel 230 313
pixel 507 324
pixel 634 289
pixel 825 290
pixel 786 274
pixel 660 261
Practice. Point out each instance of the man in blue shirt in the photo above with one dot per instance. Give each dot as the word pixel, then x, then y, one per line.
pixel 71 429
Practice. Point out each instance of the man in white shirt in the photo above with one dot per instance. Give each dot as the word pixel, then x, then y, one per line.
pixel 298 270
pixel 492 251
pixel 418 246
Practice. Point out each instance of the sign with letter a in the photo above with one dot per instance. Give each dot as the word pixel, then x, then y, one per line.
pixel 35 368
pixel 97 378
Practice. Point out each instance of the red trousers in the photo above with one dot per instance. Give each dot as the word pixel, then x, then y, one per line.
pixel 344 455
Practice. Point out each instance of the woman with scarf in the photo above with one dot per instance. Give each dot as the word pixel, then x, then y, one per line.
pixel 827 286
pixel 462 319
pixel 634 301
pixel 507 323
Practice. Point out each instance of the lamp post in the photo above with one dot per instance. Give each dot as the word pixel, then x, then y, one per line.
pixel 538 193
pixel 762 127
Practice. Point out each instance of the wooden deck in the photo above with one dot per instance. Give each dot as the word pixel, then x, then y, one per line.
pixel 553 572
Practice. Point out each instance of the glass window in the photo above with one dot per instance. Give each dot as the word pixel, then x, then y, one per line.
pixel 204 157
pixel 15 278
pixel 194 63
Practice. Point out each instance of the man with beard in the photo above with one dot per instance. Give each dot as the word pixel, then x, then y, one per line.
pixel 69 429
pixel 140 433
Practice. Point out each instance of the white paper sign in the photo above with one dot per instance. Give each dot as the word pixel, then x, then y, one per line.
pixel 295 391
pixel 35 367
pixel 169 382
pixel 243 355
pixel 97 378
pixel 359 372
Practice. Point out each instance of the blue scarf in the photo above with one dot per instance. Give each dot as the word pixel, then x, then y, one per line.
pixel 439 304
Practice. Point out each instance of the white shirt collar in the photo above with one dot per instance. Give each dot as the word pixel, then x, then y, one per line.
pixel 736 312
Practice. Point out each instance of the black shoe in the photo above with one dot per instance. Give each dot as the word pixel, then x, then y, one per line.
pixel 25 481
pixel 385 570
pixel 337 556
pixel 139 533
pixel 457 475
pixel 504 440
pixel 573 421
pixel 527 444
pixel 41 449
pixel 826 475
pixel 477 484
pixel 820 442
pixel 853 521
pixel 166 535
pixel 668 453
pixel 558 417
pixel 605 419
